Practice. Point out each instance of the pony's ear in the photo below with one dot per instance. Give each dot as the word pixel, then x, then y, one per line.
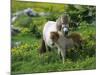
pixel 58 24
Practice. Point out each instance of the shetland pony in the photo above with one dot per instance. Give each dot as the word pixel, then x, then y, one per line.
pixel 64 43
pixel 61 25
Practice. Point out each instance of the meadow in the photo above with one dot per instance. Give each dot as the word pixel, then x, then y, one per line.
pixel 25 58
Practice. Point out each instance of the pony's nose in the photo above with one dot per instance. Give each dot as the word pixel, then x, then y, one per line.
pixel 65 31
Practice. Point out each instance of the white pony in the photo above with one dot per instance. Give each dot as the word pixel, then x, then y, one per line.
pixel 50 26
pixel 61 25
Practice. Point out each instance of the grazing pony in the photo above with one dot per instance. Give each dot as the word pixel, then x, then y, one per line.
pixel 63 43
pixel 61 25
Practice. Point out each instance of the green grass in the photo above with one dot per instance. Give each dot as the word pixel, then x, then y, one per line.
pixel 29 61
pixel 31 67
pixel 26 59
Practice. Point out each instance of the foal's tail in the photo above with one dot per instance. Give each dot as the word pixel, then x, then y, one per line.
pixel 42 47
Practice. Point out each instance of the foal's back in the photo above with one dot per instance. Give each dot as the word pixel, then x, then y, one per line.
pixel 64 42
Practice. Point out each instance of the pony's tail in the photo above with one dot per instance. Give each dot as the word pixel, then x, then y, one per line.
pixel 42 47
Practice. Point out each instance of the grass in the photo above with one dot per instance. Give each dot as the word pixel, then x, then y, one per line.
pixel 26 58
pixel 35 67
pixel 29 61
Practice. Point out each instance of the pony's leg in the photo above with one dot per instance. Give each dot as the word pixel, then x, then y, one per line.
pixel 63 54
pixel 43 47
pixel 49 49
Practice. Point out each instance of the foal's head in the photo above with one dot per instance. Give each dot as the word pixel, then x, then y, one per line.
pixel 63 24
pixel 54 36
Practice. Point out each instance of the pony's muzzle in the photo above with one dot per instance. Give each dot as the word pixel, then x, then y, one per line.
pixel 65 30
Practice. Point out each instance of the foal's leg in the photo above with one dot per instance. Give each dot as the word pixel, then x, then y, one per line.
pixel 63 54
pixel 59 53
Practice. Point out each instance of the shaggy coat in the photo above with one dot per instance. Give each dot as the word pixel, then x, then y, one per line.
pixel 64 43
pixel 77 38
